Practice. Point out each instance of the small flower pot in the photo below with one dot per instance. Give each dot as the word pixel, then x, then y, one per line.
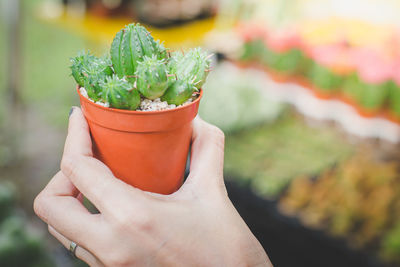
pixel 146 149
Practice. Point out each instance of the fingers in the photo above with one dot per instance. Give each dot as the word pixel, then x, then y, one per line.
pixel 207 154
pixel 80 252
pixel 93 179
pixel 57 206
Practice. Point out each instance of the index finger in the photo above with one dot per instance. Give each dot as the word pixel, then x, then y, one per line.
pixel 58 197
pixel 93 179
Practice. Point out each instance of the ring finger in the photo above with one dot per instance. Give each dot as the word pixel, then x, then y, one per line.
pixel 80 252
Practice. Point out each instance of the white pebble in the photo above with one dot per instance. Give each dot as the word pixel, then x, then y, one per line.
pixel 157 104
pixel 145 104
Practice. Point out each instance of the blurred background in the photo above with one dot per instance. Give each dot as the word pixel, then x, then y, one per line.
pixel 306 91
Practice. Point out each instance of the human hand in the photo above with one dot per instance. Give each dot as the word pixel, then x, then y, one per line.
pixel 195 226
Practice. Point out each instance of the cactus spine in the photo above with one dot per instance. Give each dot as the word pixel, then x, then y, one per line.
pixel 152 80
pixel 119 93
pixel 129 47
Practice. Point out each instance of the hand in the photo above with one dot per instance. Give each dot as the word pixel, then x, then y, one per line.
pixel 195 226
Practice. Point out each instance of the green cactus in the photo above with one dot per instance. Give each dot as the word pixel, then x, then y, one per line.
pixel 89 71
pixel 119 93
pixel 192 64
pixel 152 79
pixel 174 60
pixel 137 60
pixel 179 92
pixel 162 51
pixel 129 47
pixel 95 74
pixel 77 65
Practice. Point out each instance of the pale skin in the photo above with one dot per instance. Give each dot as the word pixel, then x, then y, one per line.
pixel 195 226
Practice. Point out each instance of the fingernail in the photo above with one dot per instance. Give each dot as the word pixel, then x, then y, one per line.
pixel 70 111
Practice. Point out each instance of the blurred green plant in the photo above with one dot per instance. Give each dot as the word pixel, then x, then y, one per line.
pixel 369 96
pixel 3 61
pixel 269 157
pixel 324 78
pixel 18 245
pixel 234 100
pixel 291 62
pixel 297 63
pixel 45 46
pixel 7 199
pixel 391 244
pixel 358 199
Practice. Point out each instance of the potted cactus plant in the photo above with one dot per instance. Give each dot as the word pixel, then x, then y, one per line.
pixel 139 103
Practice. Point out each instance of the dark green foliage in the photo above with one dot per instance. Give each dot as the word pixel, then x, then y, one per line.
pixel 391 244
pixel 152 79
pixel 18 246
pixel 7 198
pixel 119 93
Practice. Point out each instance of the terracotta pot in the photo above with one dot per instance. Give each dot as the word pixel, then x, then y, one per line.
pixel 146 149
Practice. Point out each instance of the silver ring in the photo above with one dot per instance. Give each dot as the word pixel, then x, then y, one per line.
pixel 72 248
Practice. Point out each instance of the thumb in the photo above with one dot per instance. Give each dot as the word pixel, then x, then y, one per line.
pixel 207 155
pixel 78 140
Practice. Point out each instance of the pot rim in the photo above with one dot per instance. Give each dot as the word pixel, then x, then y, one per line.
pixel 125 111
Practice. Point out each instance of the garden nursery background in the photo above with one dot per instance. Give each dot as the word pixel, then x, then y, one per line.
pixel 306 91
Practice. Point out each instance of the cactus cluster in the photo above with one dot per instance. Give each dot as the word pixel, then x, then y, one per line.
pixel 138 68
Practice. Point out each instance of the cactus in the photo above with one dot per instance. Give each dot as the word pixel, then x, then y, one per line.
pixel 140 67
pixel 152 80
pixel 179 92
pixel 89 71
pixel 129 47
pixel 195 63
pixel 119 93
pixel 78 63
pixel 161 50
pixel 175 59
pixel 96 73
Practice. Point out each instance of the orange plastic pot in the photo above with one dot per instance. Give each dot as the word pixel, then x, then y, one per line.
pixel 146 149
